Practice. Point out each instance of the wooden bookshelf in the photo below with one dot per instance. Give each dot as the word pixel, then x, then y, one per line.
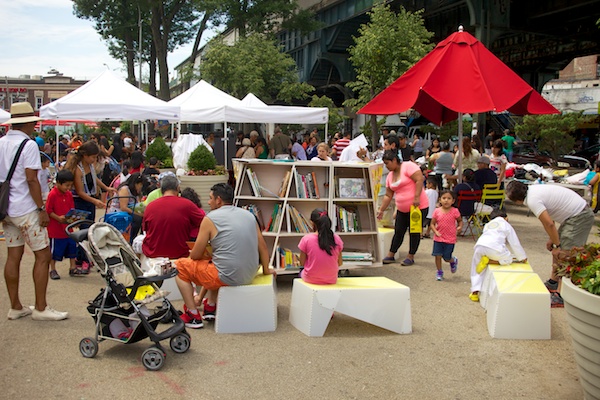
pixel 297 188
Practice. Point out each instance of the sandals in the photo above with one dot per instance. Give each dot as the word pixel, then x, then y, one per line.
pixel 76 272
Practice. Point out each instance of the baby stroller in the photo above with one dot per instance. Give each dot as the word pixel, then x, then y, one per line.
pixel 119 310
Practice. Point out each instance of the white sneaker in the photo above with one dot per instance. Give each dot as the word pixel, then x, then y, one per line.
pixel 16 314
pixel 49 314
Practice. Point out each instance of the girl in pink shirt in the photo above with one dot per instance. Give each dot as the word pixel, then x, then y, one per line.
pixel 320 252
pixel 445 223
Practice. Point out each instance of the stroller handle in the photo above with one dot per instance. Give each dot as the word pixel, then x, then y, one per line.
pixel 81 234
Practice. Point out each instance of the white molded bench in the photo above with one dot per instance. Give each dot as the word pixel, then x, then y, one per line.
pixel 376 300
pixel 518 307
pixel 247 308
pixel 485 292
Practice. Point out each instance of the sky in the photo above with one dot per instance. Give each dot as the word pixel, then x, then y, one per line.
pixel 39 35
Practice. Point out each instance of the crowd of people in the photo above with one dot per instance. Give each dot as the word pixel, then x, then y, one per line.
pixel 226 244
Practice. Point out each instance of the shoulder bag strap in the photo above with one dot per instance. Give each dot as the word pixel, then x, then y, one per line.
pixel 16 160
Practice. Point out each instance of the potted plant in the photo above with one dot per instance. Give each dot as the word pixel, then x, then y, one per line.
pixel 203 172
pixel 580 268
pixel 161 151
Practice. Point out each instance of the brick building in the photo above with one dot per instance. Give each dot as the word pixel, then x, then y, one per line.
pixel 37 90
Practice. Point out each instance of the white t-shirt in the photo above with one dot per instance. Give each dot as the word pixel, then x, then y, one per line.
pixel 20 200
pixel 560 202
pixel 499 234
pixel 432 195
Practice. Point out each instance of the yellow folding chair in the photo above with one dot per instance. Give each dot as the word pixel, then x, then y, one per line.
pixel 493 193
pixel 472 221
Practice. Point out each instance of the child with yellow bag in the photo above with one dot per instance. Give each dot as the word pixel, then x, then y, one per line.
pixel 498 244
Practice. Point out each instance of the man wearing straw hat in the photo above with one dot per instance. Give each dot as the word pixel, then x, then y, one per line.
pixel 27 218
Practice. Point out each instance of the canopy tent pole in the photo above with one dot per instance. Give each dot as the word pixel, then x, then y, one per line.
pixel 326 132
pixel 57 147
pixel 460 147
pixel 225 140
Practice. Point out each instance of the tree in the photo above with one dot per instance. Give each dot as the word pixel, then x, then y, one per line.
pixel 253 64
pixel 552 132
pixel 387 46
pixel 336 118
pixel 116 22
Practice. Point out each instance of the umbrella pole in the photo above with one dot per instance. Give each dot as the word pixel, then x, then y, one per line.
pixel 460 147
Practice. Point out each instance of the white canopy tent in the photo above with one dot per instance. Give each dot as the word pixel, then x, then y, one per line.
pixel 109 98
pixel 203 103
pixel 4 116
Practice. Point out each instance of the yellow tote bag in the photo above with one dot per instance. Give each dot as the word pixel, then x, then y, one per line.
pixel 416 220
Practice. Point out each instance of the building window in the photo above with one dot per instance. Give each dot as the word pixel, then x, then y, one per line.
pixel 39 102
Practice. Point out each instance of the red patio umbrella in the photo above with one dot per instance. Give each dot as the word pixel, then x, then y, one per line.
pixel 460 75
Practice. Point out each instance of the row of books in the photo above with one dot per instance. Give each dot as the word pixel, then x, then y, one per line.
pixel 307 186
pixel 285 258
pixel 275 219
pixel 347 219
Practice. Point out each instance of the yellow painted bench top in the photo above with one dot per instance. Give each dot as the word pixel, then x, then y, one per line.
pixel 517 282
pixel 368 282
pixel 514 267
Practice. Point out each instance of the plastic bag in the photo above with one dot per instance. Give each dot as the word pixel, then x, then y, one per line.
pixel 416 220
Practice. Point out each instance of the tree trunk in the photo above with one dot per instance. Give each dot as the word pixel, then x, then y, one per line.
pixel 152 82
pixel 130 57
pixel 160 43
pixel 196 49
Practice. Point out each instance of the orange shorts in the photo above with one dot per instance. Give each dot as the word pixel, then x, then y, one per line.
pixel 200 272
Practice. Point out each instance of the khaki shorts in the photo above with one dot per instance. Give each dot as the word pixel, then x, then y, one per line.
pixel 25 229
pixel 574 231
pixel 201 272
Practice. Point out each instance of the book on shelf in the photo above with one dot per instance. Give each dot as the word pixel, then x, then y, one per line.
pixel 347 219
pixel 301 224
pixel 356 256
pixel 286 259
pixel 352 188
pixel 257 214
pixel 273 224
pixel 284 183
pixel 306 185
pixel 254 184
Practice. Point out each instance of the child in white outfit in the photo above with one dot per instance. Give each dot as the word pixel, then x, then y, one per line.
pixel 498 244
pixel 432 195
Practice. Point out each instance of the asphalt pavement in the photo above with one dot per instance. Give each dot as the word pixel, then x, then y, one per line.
pixel 449 355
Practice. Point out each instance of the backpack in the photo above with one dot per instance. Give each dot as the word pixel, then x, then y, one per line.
pixel 113 165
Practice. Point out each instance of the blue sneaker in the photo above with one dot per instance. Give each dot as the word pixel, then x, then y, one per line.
pixel 453 264
pixel 439 275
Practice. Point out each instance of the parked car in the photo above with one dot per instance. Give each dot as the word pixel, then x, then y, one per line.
pixel 526 152
pixel 590 153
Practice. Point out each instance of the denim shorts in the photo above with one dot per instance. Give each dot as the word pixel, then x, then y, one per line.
pixel 443 249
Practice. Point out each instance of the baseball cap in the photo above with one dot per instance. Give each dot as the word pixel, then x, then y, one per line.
pixel 483 160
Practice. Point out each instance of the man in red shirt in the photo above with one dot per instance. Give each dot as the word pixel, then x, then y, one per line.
pixel 340 145
pixel 169 221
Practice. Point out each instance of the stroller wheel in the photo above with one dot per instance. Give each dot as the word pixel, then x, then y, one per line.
pixel 180 343
pixel 153 359
pixel 88 347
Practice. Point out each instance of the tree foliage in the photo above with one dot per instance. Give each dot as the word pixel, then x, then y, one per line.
pixel 336 117
pixel 201 159
pixel 553 132
pixel 387 46
pixel 253 64
pixel 159 149
pixel 263 16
